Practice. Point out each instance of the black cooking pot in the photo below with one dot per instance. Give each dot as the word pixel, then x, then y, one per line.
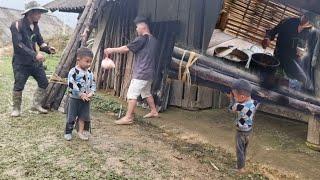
pixel 265 61
pixel 267 66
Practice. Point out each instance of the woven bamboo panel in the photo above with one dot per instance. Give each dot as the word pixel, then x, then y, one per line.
pixel 250 19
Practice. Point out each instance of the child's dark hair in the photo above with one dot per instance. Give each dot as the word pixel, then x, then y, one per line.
pixel 84 52
pixel 242 87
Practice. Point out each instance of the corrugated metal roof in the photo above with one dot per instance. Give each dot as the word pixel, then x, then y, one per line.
pixel 66 5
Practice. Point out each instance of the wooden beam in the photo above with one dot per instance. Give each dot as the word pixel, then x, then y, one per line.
pixel 227 69
pixel 260 93
pixel 284 112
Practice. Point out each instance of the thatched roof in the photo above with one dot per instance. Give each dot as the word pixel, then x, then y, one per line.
pixel 50 25
pixel 67 5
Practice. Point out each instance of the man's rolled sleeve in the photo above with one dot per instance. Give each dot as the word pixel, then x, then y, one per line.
pixel 137 44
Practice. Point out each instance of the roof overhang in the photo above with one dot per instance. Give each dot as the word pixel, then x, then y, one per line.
pixel 309 5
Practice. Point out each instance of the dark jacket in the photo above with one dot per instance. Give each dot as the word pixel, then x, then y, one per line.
pixel 24 41
pixel 288 38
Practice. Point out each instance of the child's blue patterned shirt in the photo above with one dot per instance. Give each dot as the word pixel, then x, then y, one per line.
pixel 80 81
pixel 246 111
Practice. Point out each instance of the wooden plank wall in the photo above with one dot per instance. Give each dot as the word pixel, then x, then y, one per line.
pixel 196 97
pixel 116 28
pixel 250 19
pixel 197 18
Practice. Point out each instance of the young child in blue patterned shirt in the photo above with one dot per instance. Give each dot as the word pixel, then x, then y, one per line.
pixel 82 87
pixel 245 107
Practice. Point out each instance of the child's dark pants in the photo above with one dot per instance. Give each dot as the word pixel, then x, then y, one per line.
pixel 242 142
pixel 77 109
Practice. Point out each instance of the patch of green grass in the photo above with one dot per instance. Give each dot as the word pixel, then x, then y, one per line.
pixel 6 67
pixel 32 146
pixel 102 104
pixel 51 63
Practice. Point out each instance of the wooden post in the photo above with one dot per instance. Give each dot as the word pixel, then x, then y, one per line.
pixel 176 93
pixel 313 139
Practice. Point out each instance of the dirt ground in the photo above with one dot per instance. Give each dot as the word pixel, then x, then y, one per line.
pixel 179 145
pixel 277 147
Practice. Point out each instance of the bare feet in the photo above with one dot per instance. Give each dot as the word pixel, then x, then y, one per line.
pixel 124 121
pixel 152 115
pixel 241 171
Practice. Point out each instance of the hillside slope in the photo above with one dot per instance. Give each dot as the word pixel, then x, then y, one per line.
pixel 50 26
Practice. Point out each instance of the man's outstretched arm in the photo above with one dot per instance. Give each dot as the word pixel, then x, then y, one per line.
pixel 121 50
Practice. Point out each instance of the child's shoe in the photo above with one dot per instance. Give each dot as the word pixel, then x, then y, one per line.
pixel 83 137
pixel 87 133
pixel 68 137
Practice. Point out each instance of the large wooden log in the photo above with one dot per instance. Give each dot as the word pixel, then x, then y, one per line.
pixel 223 68
pixel 265 95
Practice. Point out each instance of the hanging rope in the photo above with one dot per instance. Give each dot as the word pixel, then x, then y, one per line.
pixel 58 80
pixel 186 77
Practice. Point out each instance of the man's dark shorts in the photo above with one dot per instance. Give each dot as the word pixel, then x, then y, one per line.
pixel 23 72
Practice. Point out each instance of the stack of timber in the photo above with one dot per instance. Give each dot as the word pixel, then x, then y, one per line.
pixel 55 92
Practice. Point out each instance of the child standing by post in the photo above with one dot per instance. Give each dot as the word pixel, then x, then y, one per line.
pixel 242 103
pixel 81 89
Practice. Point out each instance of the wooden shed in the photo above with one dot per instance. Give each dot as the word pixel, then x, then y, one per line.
pixel 196 28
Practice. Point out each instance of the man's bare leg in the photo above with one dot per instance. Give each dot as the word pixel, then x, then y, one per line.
pixel 154 113
pixel 128 118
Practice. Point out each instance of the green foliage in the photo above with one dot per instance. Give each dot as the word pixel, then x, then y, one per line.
pixel 102 104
